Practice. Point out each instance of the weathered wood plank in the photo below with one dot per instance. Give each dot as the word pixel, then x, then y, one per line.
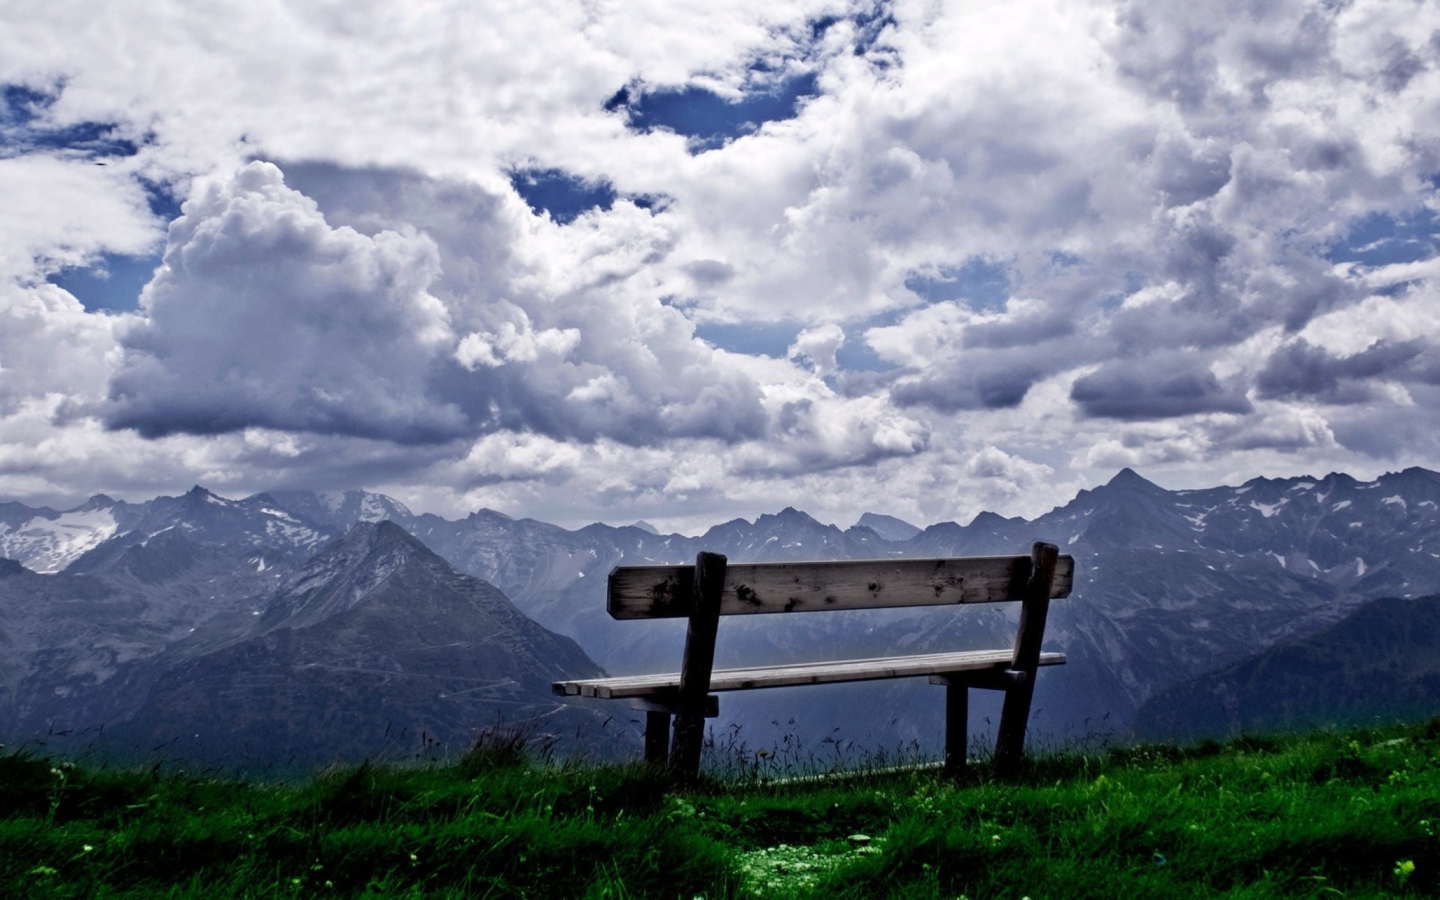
pixel 803 673
pixel 651 592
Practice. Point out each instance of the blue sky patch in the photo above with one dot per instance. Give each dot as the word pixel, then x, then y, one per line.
pixel 979 283
pixel 23 129
pixel 868 27
pixel 707 119
pixel 161 199
pixel 21 105
pixel 1379 239
pixel 113 284
pixel 751 338
pixel 1134 281
pixel 855 354
pixel 774 339
pixel 564 196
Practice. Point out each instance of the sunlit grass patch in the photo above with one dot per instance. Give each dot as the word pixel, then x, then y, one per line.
pixel 787 870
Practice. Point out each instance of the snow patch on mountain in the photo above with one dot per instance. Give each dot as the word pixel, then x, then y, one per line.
pixel 48 545
pixel 1266 509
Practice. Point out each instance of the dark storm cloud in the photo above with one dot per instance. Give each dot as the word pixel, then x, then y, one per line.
pixel 1154 388
pixel 1186 172
pixel 1299 369
pixel 1020 331
pixel 709 273
pixel 977 380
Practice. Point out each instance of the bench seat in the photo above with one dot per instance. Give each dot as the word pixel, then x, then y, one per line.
pixel 802 673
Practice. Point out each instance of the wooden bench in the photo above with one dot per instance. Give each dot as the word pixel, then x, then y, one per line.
pixel 711 588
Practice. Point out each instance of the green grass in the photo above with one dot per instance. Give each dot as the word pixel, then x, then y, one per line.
pixel 1319 815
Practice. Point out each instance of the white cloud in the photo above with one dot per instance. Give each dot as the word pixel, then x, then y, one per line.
pixel 515 344
pixel 263 315
pixel 65 212
pixel 1158 185
pixel 817 347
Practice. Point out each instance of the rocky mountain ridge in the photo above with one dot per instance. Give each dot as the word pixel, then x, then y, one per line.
pixel 370 647
pixel 1171 584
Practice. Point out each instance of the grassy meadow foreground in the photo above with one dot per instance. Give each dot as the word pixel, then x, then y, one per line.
pixel 1327 814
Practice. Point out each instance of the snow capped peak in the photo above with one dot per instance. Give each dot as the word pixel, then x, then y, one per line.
pixel 374 507
pixel 47 545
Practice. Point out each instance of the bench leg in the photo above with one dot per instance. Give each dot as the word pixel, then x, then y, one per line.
pixel 657 738
pixel 1010 739
pixel 957 715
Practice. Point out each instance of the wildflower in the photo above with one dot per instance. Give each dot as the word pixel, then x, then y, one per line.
pixel 1404 869
pixel 86 848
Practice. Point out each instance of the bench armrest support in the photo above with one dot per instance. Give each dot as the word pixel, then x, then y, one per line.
pixel 699 663
pixel 1010 738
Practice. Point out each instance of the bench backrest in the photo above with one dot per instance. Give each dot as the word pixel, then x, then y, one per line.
pixel 666 592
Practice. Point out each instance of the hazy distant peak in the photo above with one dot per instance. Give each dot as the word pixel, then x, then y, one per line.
pixel 790 514
pixel 379 533
pixel 888 527
pixel 645 526
pixel 198 496
pixel 486 512
pixel 988 519
pixel 1128 479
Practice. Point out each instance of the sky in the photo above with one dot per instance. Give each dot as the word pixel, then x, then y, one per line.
pixel 687 260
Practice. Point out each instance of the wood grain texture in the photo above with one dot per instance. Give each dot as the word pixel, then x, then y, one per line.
pixel 803 673
pixel 662 592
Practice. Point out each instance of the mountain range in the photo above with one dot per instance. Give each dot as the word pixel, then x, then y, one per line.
pixel 128 615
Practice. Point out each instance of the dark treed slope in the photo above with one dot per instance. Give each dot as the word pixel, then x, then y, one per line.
pixel 1382 662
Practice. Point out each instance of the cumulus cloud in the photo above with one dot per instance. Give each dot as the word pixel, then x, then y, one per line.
pixel 515 344
pixel 264 315
pixel 1172 209
pixel 817 347
pixel 267 315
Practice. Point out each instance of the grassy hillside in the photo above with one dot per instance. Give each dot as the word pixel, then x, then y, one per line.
pixel 1318 815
